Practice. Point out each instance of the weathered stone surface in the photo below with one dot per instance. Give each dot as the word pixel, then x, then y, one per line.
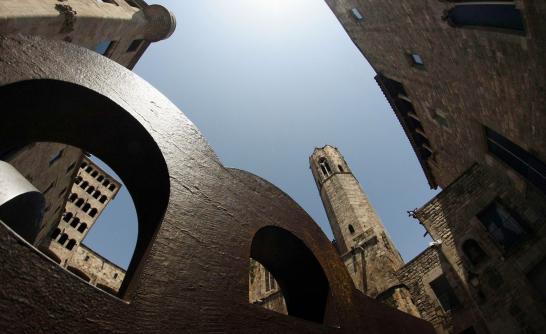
pixel 197 219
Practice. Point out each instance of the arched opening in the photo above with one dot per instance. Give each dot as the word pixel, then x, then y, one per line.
pixel 84 185
pixel 340 168
pixel 106 183
pixel 52 108
pixel 55 233
pixel 78 180
pixel 112 187
pixel 495 15
pixel 96 194
pixel 67 216
pixel 473 252
pixel 94 174
pixel 90 190
pixel 82 227
pixel 93 212
pixel 83 165
pixel 89 169
pixel 103 199
pixel 86 207
pixel 100 178
pixel 63 238
pixel 75 222
pixel 71 243
pixel 351 229
pixel 325 166
pixel 296 270
pixel 72 197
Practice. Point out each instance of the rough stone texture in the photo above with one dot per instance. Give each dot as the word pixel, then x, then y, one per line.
pixel 507 301
pixel 197 219
pixel 264 290
pixel 474 76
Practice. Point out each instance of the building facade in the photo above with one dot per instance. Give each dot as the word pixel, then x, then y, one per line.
pixel 118 29
pixel 92 190
pixel 465 80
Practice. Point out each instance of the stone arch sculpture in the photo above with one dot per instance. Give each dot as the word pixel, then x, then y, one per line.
pixel 197 219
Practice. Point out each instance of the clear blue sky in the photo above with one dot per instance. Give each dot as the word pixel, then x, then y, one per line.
pixel 266 82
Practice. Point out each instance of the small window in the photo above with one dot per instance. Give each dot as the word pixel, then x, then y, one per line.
pixel 357 15
pixel 84 185
pixel 72 197
pixel 55 157
pixel 103 199
pixel 78 180
pixel 63 238
pixel 86 207
pixel 86 258
pixel 74 223
pixel 325 166
pixel 109 1
pixel 112 187
pixel 94 174
pixel 132 4
pixel 340 168
pixel 90 190
pixel 67 216
pixel 104 47
pixel 93 212
pixel 83 165
pixel 351 229
pixel 71 167
pixel 474 252
pixel 70 245
pixel 55 233
pixel 89 169
pixel 96 194
pixel 417 59
pixel 501 225
pixel 444 293
pixel 82 227
pixel 135 45
pixel 79 202
pixel 440 118
pixel 100 178
pixel 115 275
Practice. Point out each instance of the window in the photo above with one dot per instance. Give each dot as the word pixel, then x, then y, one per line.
pixel 135 45
pixel 82 227
pixel 106 183
pixel 473 252
pixel 73 197
pixel 417 60
pixel 523 162
pixel 537 277
pixel 78 180
pixel 55 157
pixel 100 178
pixel 86 258
pixel 86 207
pixel 94 174
pixel 70 245
pixel 90 190
pixel 63 238
pixel 115 275
pixel 72 165
pixel 325 167
pixel 93 212
pixel 501 225
pixel 83 165
pixel 340 168
pixel 112 187
pixel 96 194
pixel 444 293
pixel 89 169
pixel 75 222
pixel 67 216
pixel 84 184
pixel 55 233
pixel 351 229
pixel 440 118
pixel 103 199
pixel 132 4
pixel 109 1
pixel 357 15
pixel 79 202
pixel 502 16
pixel 104 47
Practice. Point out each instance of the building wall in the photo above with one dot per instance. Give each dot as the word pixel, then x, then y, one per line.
pixel 472 76
pixel 507 300
pixel 262 290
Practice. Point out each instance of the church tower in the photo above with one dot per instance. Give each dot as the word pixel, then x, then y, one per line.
pixel 360 237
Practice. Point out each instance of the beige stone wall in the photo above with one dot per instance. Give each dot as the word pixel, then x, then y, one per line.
pixel 355 222
pixel 264 290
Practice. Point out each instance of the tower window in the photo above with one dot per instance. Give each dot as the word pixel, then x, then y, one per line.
pixel 72 197
pixel 75 222
pixel 86 207
pixel 417 59
pixel 63 238
pixel 82 227
pixel 351 229
pixel 357 15
pixel 79 202
pixel 112 187
pixel 70 245
pixel 78 180
pixel 340 168
pixel 55 157
pixel 474 252
pixel 94 174
pixel 67 216
pixel 502 16
pixel 440 118
pixel 501 225
pixel 89 169
pixel 104 47
pixel 135 45
pixel 93 212
pixel 526 164
pixel 325 167
pixel 55 233
pixel 103 199
pixel 84 184
pixel 72 165
pixel 444 293
pixel 90 190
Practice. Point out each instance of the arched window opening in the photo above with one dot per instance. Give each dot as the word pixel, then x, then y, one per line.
pixel 67 216
pixel 55 233
pixel 93 212
pixel 95 173
pixel 340 168
pixel 106 183
pixel 296 272
pixel 325 167
pixel 84 185
pixel 96 194
pixel 351 229
pixel 75 222
pixel 70 245
pixel 500 16
pixel 112 187
pixel 103 199
pixel 473 252
pixel 83 165
pixel 82 227
pixel 79 202
pixel 86 207
pixel 90 190
pixel 89 169
pixel 100 178
pixel 63 238
pixel 72 197
pixel 78 180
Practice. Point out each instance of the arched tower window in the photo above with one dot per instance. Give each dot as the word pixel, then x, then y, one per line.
pixel 78 179
pixel 82 227
pixel 55 233
pixel 84 184
pixel 325 166
pixel 72 197
pixel 93 212
pixel 70 245
pixel 75 222
pixel 112 187
pixel 340 168
pixel 94 174
pixel 103 199
pixel 351 229
pixel 79 202
pixel 492 15
pixel 100 178
pixel 90 190
pixel 96 194
pixel 63 238
pixel 67 216
pixel 86 207
pixel 474 252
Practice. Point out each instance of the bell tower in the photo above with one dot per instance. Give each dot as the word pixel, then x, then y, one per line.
pixel 361 238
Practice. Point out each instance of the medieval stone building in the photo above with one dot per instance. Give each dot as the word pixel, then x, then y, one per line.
pixel 117 29
pixel 466 81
